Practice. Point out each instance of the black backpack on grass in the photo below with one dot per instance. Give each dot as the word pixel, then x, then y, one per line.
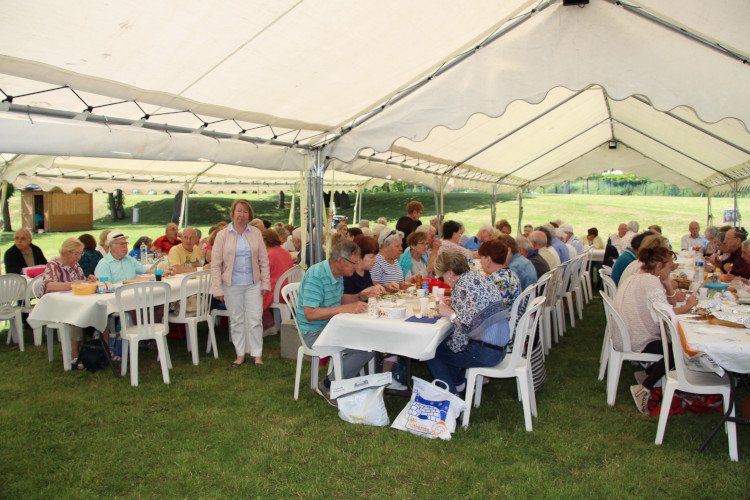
pixel 92 356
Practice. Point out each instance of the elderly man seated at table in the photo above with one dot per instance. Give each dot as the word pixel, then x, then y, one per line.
pixel 519 264
pixel 731 249
pixel 526 249
pixel 319 299
pixel 117 266
pixel 744 271
pixel 620 239
pixel 485 233
pixel 59 274
pixel 186 257
pixel 23 253
pixel 694 240
pixel 556 243
pixel 540 241
pixel 170 238
pixel 571 239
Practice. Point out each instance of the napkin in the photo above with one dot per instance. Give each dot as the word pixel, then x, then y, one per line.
pixel 414 319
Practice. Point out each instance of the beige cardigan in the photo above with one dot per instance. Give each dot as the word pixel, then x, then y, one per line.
pixel 222 259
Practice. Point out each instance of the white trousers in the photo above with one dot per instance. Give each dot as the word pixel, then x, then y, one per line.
pixel 245 306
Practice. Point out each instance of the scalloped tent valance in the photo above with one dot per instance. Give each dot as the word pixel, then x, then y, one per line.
pixel 502 95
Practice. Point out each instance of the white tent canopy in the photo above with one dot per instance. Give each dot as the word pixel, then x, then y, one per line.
pixel 487 95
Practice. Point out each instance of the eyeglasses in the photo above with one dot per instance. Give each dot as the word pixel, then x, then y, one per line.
pixel 76 254
pixel 352 262
pixel 385 240
pixel 425 243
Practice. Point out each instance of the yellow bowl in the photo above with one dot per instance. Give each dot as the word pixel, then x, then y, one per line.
pixel 85 289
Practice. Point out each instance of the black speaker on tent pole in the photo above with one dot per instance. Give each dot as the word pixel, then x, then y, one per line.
pixel 579 3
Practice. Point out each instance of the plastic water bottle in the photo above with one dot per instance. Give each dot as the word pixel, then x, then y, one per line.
pixel 144 254
pixel 103 284
pixel 700 267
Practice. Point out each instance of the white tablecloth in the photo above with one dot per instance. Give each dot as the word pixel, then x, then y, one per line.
pixel 721 347
pixel 85 310
pixel 396 336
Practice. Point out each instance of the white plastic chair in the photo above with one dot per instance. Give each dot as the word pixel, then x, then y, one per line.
pixel 615 358
pixel 203 304
pixel 214 315
pixel 573 288
pixel 514 365
pixel 33 291
pixel 586 285
pixel 542 290
pixel 606 271
pixel 280 312
pixel 610 289
pixel 141 299
pixel 12 293
pixel 289 294
pixel 684 379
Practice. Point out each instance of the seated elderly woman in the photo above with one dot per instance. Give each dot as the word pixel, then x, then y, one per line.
pixel 633 301
pixel 359 286
pixel 494 256
pixel 387 271
pixel 59 274
pixel 480 332
pixel 451 235
pixel 712 236
pixel 414 260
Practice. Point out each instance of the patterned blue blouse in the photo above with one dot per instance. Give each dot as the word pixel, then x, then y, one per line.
pixel 508 284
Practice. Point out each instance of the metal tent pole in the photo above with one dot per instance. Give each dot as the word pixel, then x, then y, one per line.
pixel 709 215
pixel 493 207
pixel 520 211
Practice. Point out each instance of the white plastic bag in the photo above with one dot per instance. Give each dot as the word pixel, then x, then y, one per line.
pixel 431 412
pixel 360 399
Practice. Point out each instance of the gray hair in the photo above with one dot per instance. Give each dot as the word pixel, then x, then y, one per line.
pixel 633 226
pixel 523 242
pixel 487 227
pixel 535 236
pixel 364 223
pixel 344 249
pixel 383 220
pixel 746 244
pixel 386 236
pixel 711 232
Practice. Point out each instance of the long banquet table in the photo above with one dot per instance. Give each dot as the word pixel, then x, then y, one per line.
pixel 67 309
pixel 720 349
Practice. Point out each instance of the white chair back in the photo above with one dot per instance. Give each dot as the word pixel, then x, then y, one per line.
pixel 12 290
pixel 610 288
pixel 289 294
pixel 523 336
pixel 292 275
pixel 142 299
pixel 616 324
pixel 520 304
pixel 203 295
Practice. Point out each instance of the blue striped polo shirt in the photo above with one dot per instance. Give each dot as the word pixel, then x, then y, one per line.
pixel 318 289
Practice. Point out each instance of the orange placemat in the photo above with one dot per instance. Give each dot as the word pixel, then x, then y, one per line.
pixel 685 347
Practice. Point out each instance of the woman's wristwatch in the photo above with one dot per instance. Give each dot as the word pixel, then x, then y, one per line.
pixel 361 298
pixel 452 317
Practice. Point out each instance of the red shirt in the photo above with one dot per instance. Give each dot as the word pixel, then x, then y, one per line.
pixel 163 244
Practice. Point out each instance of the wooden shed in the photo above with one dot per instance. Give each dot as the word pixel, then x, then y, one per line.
pixel 57 211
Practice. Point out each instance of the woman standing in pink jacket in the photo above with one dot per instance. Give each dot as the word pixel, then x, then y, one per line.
pixel 241 277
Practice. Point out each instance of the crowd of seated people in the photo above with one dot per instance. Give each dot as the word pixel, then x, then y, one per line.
pixel 247 256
